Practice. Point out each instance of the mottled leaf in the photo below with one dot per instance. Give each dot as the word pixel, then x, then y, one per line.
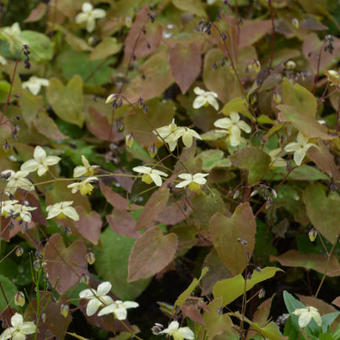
pixel 47 127
pixel 107 47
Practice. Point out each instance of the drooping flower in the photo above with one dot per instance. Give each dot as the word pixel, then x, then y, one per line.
pixel 34 84
pixel 306 315
pixel 333 77
pixel 62 210
pixel 97 297
pixel 204 98
pixel 150 175
pixel 12 35
pixel 300 148
pixel 19 328
pixel 40 162
pixel 178 333
pixel 276 158
pixel 193 182
pixel 171 133
pixel 23 212
pixel 17 180
pixel 118 308
pixel 168 135
pixel 85 187
pixel 233 126
pixel 89 16
pixel 84 170
pixel 7 207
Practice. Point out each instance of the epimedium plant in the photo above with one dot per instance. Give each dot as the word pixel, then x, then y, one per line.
pixel 141 135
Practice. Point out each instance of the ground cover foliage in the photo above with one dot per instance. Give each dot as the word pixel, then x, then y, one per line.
pixel 170 169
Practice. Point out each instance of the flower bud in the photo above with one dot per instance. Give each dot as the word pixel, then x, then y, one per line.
pixel 290 65
pixel 85 279
pixel 152 149
pixel 313 233
pixel 110 98
pixel 64 310
pixel 129 140
pixel 19 251
pixel 262 293
pixel 277 98
pixel 19 299
pixel 90 258
pixel 295 23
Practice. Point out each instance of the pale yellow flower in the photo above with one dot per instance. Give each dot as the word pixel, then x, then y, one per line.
pixel 84 170
pixel 89 16
pixel 23 212
pixel 333 77
pixel 118 308
pixel 300 147
pixel 61 210
pixel 17 180
pixel 150 175
pixel 276 158
pixel 178 333
pixel 193 182
pixel 97 297
pixel 85 187
pixel 19 328
pixel 40 161
pixel 233 126
pixel 12 35
pixel 204 98
pixel 306 315
pixel 34 84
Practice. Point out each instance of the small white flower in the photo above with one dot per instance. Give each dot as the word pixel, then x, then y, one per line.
pixel 17 180
pixel 188 135
pixel 40 161
pixel 34 84
pixel 85 187
pixel 233 127
pixel 12 35
pixel 204 98
pixel 193 182
pixel 89 16
pixel 98 298
pixel 300 147
pixel 61 210
pixel 306 315
pixel 150 175
pixel 118 308
pixel 178 333
pixel 19 328
pixel 84 170
pixel 6 207
pixel 23 212
pixel 276 158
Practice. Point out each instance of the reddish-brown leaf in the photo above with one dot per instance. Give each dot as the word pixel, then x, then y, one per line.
pixel 89 224
pixel 175 213
pixel 252 31
pixel 65 265
pixel 116 200
pixel 37 13
pixel 234 237
pixel 185 64
pixel 293 258
pixel 336 301
pixel 122 223
pixel 47 127
pixel 153 207
pixel 193 312
pixel 151 253
pixel 142 39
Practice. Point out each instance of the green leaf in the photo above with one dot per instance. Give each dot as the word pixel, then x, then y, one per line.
pixel 40 45
pixel 10 290
pixel 254 160
pixel 106 48
pixel 291 303
pixel 191 6
pixel 4 90
pixel 299 97
pixel 213 159
pixel 237 104
pixel 227 235
pixel 306 124
pixel 78 63
pixel 323 211
pixel 231 289
pixel 328 319
pixel 67 101
pixel 112 264
pixel 195 282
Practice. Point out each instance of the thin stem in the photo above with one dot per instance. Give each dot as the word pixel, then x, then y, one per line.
pixel 326 268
